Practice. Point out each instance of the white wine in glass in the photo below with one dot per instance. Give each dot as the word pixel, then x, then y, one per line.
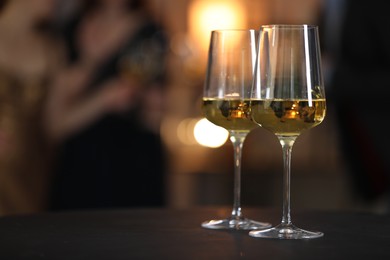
pixel 288 98
pixel 226 101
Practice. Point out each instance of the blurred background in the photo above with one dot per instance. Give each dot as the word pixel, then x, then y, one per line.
pixel 195 174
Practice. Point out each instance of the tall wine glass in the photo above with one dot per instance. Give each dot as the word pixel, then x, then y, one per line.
pixel 288 98
pixel 226 99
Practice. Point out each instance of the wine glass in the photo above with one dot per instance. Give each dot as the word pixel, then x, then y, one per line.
pixel 288 98
pixel 226 99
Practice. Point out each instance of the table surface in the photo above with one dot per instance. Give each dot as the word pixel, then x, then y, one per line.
pixel 151 233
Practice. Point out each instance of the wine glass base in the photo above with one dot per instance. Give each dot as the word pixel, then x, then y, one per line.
pixel 283 231
pixel 237 224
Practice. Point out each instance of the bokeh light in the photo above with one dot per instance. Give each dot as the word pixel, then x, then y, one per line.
pixel 210 135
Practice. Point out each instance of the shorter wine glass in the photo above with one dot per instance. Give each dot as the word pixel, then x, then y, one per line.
pixel 288 98
pixel 227 89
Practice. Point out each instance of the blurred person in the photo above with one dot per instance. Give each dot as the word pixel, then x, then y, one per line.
pixel 37 84
pixel 359 93
pixel 116 157
pixel 29 54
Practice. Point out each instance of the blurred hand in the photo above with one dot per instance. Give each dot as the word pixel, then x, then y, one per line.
pixel 70 107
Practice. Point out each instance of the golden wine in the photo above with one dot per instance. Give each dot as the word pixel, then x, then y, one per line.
pixel 288 117
pixel 231 114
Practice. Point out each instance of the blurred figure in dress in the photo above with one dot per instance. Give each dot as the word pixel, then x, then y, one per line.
pixel 69 124
pixel 115 159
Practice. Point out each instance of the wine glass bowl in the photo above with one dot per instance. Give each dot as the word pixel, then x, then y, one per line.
pixel 226 103
pixel 288 98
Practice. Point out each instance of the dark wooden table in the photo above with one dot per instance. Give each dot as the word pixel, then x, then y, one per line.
pixel 176 234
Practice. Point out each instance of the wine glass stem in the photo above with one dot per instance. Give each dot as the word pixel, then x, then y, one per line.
pixel 287 144
pixel 237 140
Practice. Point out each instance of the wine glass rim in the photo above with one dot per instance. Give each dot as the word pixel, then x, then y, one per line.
pixel 232 30
pixel 289 26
